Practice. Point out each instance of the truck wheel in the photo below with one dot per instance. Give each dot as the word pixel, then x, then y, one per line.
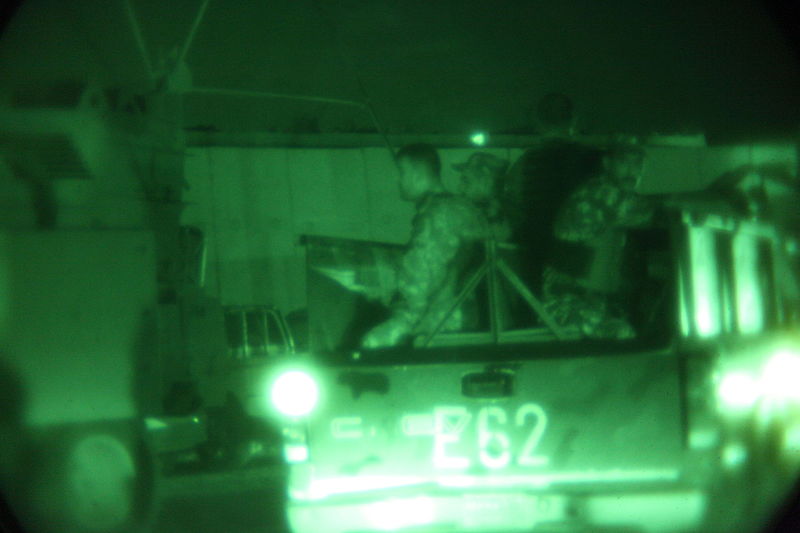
pixel 91 480
pixel 111 485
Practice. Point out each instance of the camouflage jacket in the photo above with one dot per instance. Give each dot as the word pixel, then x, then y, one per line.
pixel 598 206
pixel 588 251
pixel 445 232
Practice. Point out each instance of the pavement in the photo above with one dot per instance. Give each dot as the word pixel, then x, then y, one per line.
pixel 240 501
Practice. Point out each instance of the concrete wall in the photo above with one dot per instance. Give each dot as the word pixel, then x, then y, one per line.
pixel 254 204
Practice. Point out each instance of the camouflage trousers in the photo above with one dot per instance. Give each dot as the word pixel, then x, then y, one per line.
pixel 571 305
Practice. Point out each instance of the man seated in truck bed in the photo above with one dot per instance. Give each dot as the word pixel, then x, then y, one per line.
pixel 583 275
pixel 446 235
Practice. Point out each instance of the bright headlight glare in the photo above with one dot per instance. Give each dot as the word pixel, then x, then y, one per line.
pixel 781 375
pixel 738 390
pixel 294 393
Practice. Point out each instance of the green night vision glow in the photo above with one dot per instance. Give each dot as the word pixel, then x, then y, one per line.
pixel 294 393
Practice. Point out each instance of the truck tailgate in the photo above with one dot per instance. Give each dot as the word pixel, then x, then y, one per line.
pixel 544 421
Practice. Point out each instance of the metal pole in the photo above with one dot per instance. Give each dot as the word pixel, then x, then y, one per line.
pixel 491 252
pixel 203 258
pixel 265 324
pixel 265 94
pixel 189 38
pixel 349 63
pixel 245 333
pixel 377 123
pixel 137 35
pixel 473 282
pixel 682 235
pixel 532 301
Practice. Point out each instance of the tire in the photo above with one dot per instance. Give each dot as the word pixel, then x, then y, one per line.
pixel 91 479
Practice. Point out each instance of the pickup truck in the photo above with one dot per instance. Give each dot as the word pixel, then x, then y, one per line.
pixel 536 428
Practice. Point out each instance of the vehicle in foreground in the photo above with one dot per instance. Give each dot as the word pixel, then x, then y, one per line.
pixel 535 428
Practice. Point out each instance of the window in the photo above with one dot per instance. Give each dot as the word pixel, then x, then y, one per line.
pixel 704 288
pixel 254 332
pixel 731 280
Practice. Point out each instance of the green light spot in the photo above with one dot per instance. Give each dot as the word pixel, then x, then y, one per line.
pixel 734 455
pixel 478 138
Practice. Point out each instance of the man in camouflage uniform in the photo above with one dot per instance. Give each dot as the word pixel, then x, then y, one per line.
pixel 481 181
pixel 582 276
pixel 447 232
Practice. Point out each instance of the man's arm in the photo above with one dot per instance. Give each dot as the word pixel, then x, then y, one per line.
pixel 423 269
pixel 425 265
pixel 599 206
pixel 633 211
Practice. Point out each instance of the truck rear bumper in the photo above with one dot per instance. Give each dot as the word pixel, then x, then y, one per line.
pixel 656 512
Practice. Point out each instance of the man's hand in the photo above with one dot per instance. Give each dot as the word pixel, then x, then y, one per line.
pixel 389 333
pixel 348 279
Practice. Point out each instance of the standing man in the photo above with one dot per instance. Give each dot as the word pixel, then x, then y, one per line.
pixel 582 276
pixel 542 178
pixel 446 235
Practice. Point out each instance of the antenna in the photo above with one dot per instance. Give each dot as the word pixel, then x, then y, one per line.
pixel 172 70
pixel 351 66
pixel 137 34
pixel 190 38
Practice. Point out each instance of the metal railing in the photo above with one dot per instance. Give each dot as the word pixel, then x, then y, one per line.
pixel 492 269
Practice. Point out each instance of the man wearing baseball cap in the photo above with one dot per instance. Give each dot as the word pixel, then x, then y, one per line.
pixel 481 181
